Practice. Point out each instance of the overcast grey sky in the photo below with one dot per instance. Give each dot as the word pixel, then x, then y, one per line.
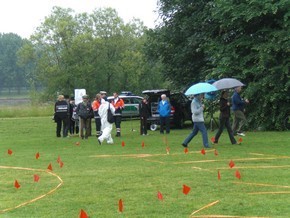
pixel 23 16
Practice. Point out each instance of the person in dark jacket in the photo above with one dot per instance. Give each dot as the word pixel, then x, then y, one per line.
pixel 224 119
pixel 61 116
pixel 85 113
pixel 70 110
pixel 144 114
pixel 119 105
pixel 164 109
pixel 74 121
pixel 238 109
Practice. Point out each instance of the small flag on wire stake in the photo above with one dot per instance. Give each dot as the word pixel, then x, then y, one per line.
pixel 121 206
pixel 36 178
pixel 49 167
pixel 238 174
pixel 186 189
pixel 83 214
pixel 159 196
pixel 16 184
pixel 10 152
pixel 231 164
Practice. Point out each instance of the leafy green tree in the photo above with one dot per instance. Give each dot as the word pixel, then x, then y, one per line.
pixel 12 76
pixel 95 51
pixel 179 41
pixel 252 45
pixel 247 40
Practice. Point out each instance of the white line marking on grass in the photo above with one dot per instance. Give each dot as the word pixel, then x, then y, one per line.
pixel 257 154
pixel 142 155
pixel 252 167
pixel 204 207
pixel 267 193
pixel 154 161
pixel 37 198
pixel 261 184
pixel 226 216
pixel 239 159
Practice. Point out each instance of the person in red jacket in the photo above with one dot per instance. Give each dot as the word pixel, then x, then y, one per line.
pixel 119 106
pixel 95 105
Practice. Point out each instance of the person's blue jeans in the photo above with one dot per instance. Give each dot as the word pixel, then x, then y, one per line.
pixel 198 126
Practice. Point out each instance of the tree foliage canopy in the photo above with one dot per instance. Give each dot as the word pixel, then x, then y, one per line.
pixel 11 74
pixel 95 51
pixel 247 40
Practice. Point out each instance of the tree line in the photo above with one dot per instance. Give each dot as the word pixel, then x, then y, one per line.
pixel 196 41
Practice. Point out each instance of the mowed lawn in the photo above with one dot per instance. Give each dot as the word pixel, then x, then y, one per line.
pixel 94 178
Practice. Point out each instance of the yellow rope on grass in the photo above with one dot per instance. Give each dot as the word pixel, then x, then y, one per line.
pixel 37 198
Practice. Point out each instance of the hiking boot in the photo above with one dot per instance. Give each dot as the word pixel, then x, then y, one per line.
pixel 184 145
pixel 241 134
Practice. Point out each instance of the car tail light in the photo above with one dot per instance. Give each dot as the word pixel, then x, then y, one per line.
pixel 172 110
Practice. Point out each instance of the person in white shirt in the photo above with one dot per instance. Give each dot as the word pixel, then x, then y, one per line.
pixel 106 127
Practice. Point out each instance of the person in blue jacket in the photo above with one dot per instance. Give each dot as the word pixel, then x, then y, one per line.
pixel 238 106
pixel 164 109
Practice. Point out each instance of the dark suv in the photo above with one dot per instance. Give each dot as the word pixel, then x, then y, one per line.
pixel 180 107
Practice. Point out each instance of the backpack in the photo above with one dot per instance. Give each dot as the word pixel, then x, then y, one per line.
pixel 110 116
pixel 85 112
pixel 74 114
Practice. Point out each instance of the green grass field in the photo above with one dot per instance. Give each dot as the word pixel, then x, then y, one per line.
pixel 94 178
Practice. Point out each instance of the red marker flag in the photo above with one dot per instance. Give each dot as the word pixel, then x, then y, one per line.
pixel 167 150
pixel 121 207
pixel 83 214
pixel 216 152
pixel 212 139
pixel 240 140
pixel 37 155
pixel 219 175
pixel 202 151
pixel 16 184
pixel 143 144
pixel 58 159
pixel 159 196
pixel 36 178
pixel 123 143
pixel 185 150
pixel 9 151
pixel 186 189
pixel 231 164
pixel 238 175
pixel 49 167
pixel 60 164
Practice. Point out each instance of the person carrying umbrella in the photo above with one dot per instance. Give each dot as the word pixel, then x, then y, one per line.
pixel 238 109
pixel 197 109
pixel 224 119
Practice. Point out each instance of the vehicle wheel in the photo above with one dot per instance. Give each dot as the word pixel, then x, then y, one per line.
pixel 153 127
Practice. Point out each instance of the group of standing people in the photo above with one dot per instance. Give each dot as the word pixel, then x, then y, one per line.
pixel 70 117
pixel 77 118
pixel 238 106
pixel 164 110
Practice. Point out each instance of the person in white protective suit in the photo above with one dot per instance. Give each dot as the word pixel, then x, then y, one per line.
pixel 106 127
